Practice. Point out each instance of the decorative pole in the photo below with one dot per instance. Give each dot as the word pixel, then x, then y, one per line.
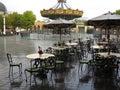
pixel 4 25
pixel 61 0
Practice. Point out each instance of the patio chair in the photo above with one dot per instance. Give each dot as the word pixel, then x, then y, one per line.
pixel 50 65
pixel 113 63
pixel 49 50
pixel 99 61
pixel 12 64
pixel 33 69
pixel 59 62
pixel 86 62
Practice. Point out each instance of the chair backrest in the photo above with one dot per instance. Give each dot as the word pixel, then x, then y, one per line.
pixel 9 57
pixel 35 63
pixel 50 61
pixel 49 50
pixel 111 60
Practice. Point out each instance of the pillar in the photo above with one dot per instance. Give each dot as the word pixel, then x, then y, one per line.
pixel 4 25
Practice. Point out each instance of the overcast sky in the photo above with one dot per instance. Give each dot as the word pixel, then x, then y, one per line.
pixel 91 8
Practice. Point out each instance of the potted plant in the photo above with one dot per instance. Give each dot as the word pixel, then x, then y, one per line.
pixel 40 51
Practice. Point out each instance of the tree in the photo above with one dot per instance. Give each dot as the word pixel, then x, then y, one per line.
pixel 13 20
pixel 1 21
pixel 79 21
pixel 117 11
pixel 28 19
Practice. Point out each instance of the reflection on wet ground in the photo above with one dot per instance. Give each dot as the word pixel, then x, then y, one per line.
pixel 70 78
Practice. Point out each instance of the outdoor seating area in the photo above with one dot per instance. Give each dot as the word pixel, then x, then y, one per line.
pixel 65 50
pixel 70 65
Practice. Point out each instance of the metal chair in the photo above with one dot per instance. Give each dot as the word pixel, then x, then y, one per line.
pixel 50 65
pixel 13 64
pixel 33 69
pixel 59 62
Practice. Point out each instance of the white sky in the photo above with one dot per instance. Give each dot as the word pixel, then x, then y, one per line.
pixel 91 8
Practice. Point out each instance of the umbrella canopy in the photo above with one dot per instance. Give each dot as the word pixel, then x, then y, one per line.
pixel 60 23
pixel 107 20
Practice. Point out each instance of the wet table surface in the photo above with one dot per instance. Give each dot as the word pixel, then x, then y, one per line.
pixel 105 54
pixel 42 56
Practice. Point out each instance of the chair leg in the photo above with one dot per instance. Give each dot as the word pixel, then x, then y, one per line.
pixel 9 71
pixel 51 73
pixel 12 71
pixel 30 78
pixel 25 75
pixel 10 74
pixel 35 79
pixel 20 68
pixel 81 67
pixel 31 74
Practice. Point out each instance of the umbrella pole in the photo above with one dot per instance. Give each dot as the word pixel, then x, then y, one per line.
pixel 60 34
pixel 117 33
pixel 108 37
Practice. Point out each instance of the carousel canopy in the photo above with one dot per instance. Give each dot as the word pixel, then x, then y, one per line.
pixel 61 10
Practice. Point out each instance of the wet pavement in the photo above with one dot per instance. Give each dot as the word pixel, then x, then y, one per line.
pixel 71 78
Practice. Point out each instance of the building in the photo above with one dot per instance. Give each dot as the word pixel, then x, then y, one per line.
pixel 39 25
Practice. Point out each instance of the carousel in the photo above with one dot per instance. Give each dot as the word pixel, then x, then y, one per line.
pixel 62 16
pixel 61 10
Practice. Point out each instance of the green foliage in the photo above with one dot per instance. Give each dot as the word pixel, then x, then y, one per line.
pixel 13 20
pixel 28 19
pixel 25 20
pixel 117 11
pixel 79 21
pixel 1 21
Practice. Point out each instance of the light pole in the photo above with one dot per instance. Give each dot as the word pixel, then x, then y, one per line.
pixel 3 10
pixel 4 24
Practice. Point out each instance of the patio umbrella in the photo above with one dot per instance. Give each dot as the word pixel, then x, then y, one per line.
pixel 107 21
pixel 60 24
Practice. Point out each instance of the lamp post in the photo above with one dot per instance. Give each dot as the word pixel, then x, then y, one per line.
pixel 3 10
pixel 4 24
